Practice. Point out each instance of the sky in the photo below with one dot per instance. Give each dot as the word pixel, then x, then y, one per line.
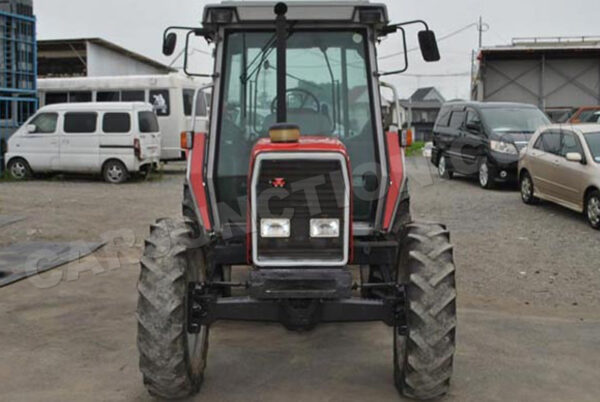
pixel 138 25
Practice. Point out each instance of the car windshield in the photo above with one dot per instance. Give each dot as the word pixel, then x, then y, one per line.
pixel 589 116
pixel 593 141
pixel 328 94
pixel 514 120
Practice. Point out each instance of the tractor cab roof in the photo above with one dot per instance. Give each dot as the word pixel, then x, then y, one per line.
pixel 257 12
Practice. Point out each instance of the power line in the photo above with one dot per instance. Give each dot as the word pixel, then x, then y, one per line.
pixel 450 35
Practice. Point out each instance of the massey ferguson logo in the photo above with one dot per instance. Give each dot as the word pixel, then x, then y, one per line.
pixel 278 182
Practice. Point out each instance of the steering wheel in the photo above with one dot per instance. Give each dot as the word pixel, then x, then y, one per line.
pixel 305 95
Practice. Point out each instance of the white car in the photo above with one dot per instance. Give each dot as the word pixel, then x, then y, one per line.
pixel 112 139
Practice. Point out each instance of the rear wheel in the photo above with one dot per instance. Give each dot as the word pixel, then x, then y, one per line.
pixel 443 169
pixel 115 172
pixel 423 359
pixel 172 360
pixel 592 209
pixel 19 169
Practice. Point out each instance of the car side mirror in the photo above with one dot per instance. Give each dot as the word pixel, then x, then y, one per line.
pixel 574 157
pixel 169 43
pixel 31 128
pixel 474 127
pixel 429 46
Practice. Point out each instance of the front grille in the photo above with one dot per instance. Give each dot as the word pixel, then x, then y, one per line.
pixel 313 189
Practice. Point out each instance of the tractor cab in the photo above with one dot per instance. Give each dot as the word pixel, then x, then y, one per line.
pixel 297 181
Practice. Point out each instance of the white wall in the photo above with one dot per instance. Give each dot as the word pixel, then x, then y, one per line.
pixel 102 62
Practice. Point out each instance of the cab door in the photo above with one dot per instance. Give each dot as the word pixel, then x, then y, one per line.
pixel 80 142
pixel 570 176
pixel 40 147
pixel 544 159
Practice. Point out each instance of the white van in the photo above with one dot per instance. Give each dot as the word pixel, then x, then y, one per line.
pixel 112 139
pixel 171 95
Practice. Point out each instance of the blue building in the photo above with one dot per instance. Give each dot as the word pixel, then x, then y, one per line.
pixel 18 67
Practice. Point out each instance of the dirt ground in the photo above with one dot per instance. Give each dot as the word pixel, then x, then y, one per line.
pixel 528 283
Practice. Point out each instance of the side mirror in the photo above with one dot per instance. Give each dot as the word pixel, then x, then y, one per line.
pixel 474 127
pixel 429 46
pixel 31 128
pixel 574 157
pixel 169 43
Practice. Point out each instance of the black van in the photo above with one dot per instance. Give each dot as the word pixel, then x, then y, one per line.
pixel 483 139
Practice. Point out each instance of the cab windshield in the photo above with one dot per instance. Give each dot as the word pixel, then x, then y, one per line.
pixel 327 95
pixel 514 120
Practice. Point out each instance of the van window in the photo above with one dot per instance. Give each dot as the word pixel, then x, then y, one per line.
pixel 160 100
pixel 457 119
pixel 112 96
pixel 188 99
pixel 56 97
pixel 444 118
pixel 80 122
pixel 116 123
pixel 45 123
pixel 148 122
pixel 80 97
pixel 133 96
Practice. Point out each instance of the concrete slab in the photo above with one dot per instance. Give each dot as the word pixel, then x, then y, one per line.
pixel 21 260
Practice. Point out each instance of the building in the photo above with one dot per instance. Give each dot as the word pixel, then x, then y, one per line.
pixel 18 67
pixel 93 57
pixel 556 74
pixel 420 112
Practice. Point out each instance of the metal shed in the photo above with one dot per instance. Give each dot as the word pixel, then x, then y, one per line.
pixel 552 73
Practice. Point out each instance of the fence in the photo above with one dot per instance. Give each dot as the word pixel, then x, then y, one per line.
pixel 18 74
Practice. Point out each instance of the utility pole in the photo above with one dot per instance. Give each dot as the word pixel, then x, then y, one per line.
pixel 480 29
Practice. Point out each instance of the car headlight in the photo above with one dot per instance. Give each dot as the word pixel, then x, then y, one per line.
pixel 275 228
pixel 324 228
pixel 504 147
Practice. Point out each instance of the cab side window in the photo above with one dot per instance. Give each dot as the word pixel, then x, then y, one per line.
pixel 549 142
pixel 45 123
pixel 570 143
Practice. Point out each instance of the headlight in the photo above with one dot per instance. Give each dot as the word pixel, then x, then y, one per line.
pixel 504 147
pixel 324 228
pixel 275 228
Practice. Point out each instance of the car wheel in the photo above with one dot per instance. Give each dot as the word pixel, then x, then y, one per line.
pixel 19 169
pixel 443 170
pixel 486 179
pixel 527 190
pixel 592 209
pixel 115 172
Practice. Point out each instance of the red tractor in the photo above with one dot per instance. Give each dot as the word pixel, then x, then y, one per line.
pixel 298 180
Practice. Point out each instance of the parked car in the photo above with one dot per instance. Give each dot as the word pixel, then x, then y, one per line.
pixel 562 164
pixel 588 114
pixel 427 149
pixel 483 139
pixel 112 139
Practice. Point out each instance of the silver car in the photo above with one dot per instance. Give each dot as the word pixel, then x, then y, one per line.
pixel 561 164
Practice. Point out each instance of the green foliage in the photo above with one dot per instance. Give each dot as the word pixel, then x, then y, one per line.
pixel 415 149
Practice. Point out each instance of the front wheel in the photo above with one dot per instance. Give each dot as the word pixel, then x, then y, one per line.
pixel 486 177
pixel 423 358
pixel 172 360
pixel 527 191
pixel 19 169
pixel 592 209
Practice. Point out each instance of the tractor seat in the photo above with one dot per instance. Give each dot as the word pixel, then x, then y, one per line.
pixel 310 121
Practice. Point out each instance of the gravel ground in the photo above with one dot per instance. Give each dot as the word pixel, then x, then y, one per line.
pixel 528 283
pixel 509 255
